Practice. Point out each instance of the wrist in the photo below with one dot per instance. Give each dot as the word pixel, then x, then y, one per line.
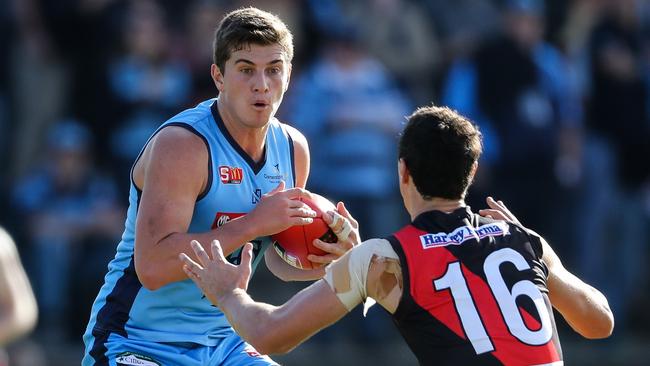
pixel 249 227
pixel 228 297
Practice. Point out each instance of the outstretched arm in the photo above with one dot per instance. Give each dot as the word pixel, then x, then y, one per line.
pixel 584 307
pixel 270 329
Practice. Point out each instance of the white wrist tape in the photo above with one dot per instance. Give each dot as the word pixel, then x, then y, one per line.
pixel 341 226
pixel 348 275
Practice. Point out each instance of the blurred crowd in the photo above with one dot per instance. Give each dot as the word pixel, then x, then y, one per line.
pixel 560 90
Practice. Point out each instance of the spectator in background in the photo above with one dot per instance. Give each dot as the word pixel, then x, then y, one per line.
pixel 71 216
pixel 612 231
pixel 392 29
pixel 33 49
pixel 199 31
pixel 146 84
pixel 516 87
pixel 462 25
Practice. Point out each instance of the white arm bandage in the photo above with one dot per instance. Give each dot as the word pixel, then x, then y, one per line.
pixel 348 275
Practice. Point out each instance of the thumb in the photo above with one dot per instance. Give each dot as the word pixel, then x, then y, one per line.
pixel 279 188
pixel 246 259
pixel 340 207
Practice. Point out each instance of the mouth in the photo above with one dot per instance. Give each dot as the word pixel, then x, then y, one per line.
pixel 260 105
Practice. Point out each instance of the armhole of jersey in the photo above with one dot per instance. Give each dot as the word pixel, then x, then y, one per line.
pixel 538 247
pixel 188 127
pixel 406 277
pixel 292 152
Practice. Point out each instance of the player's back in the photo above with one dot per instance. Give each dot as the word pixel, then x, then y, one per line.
pixel 474 292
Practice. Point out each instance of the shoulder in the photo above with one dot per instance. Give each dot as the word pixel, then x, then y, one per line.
pixel 172 150
pixel 299 140
pixel 180 140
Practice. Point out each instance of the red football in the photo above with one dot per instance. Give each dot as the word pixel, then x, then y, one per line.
pixel 295 243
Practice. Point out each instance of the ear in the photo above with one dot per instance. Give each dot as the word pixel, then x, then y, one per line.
pixel 286 84
pixel 472 172
pixel 217 77
pixel 404 174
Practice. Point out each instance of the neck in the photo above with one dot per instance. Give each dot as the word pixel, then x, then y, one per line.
pixel 438 204
pixel 250 139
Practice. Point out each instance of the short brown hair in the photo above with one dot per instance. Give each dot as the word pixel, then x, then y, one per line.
pixel 439 147
pixel 246 26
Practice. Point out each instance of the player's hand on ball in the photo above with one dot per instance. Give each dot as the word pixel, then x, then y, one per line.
pixel 498 211
pixel 346 229
pixel 217 277
pixel 280 209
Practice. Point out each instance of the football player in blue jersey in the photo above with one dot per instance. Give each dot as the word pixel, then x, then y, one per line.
pixel 226 169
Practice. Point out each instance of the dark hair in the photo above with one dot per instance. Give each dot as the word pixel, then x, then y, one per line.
pixel 246 26
pixel 439 147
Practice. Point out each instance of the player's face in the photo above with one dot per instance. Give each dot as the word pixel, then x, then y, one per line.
pixel 254 82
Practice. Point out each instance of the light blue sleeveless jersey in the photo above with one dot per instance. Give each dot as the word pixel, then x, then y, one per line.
pixel 178 312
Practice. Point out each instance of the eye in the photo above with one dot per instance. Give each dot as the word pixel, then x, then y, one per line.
pixel 246 70
pixel 274 70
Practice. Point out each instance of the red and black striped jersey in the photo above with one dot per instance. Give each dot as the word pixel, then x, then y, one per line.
pixel 474 292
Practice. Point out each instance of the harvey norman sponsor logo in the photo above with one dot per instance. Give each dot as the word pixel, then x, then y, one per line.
pixel 462 234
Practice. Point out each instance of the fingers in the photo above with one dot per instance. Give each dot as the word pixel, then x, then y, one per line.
pixel 340 226
pixel 344 211
pixel 217 251
pixel 322 259
pixel 298 192
pixel 298 220
pixel 200 252
pixel 337 249
pixel 496 204
pixel 303 211
pixel 280 187
pixel 190 267
pixel 247 257
pixel 491 213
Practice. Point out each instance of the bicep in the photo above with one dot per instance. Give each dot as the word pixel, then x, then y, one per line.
pixel 174 173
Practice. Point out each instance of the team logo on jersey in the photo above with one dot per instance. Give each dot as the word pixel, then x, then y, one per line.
pixel 276 175
pixel 252 351
pixel 257 196
pixel 462 234
pixel 231 175
pixel 223 217
pixel 130 358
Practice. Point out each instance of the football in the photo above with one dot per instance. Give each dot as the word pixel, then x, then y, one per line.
pixel 296 243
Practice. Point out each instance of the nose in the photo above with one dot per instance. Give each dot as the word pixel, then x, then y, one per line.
pixel 261 83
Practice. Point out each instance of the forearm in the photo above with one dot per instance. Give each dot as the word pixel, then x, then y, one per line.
pixel 272 329
pixel 585 308
pixel 257 323
pixel 158 264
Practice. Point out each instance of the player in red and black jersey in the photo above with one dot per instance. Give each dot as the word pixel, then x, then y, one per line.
pixel 462 289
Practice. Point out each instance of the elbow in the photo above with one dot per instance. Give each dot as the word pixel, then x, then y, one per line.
pixel 147 276
pixel 600 329
pixel 149 281
pixel 267 345
pixel 267 339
